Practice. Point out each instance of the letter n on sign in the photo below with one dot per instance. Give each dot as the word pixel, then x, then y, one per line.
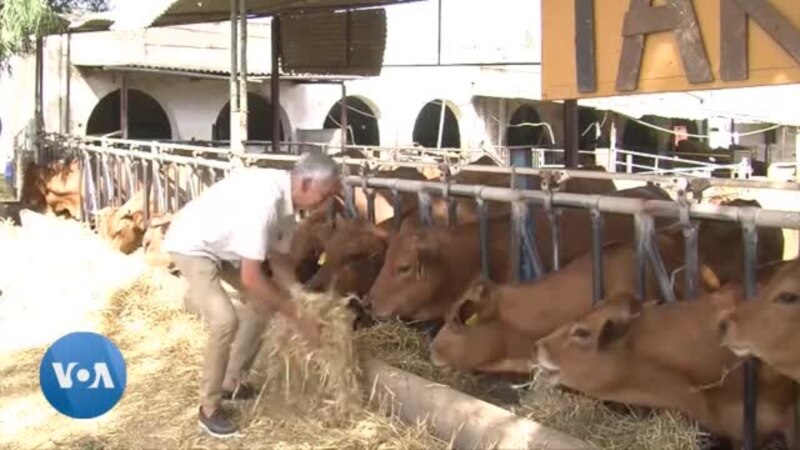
pixel 733 31
pixel 643 19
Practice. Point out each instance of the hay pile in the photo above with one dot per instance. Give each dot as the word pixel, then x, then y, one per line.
pixel 310 398
pixel 55 275
pixel 605 427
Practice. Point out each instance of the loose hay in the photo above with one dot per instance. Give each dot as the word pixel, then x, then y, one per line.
pixel 321 405
pixel 607 428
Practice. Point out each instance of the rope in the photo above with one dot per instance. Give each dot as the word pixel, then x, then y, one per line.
pixel 701 136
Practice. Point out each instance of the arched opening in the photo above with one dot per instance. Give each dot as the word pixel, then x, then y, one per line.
pixel 522 133
pixel 362 121
pixel 259 120
pixel 426 128
pixel 146 118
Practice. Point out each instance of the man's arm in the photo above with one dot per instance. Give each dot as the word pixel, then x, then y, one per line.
pixel 267 290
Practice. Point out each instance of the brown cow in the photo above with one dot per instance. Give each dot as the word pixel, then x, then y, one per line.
pixel 493 328
pixel 445 261
pixel 767 326
pixel 153 239
pixel 124 227
pixel 54 187
pixel 665 356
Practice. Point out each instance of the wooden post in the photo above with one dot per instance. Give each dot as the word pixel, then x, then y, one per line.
pixel 275 83
pixel 571 134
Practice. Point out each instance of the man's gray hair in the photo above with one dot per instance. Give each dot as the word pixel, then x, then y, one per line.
pixel 316 165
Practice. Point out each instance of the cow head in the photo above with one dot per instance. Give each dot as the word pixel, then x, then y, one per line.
pixel 352 257
pixel 472 336
pixel 591 353
pixel 766 326
pixel 307 242
pixel 411 277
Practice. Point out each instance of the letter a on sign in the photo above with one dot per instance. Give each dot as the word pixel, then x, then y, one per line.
pixel 643 19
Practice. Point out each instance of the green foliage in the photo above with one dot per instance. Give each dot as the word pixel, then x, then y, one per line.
pixel 22 21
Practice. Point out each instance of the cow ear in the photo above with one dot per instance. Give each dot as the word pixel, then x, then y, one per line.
pixel 467 314
pixel 611 331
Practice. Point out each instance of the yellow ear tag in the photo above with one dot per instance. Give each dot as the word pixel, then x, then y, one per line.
pixel 472 321
pixel 321 259
pixel 709 278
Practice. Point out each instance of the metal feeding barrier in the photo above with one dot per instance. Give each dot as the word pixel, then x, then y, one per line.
pixel 113 169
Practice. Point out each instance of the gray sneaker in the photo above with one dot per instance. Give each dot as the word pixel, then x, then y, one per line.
pixel 218 425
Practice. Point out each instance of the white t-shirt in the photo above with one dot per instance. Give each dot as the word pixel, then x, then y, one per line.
pixel 239 217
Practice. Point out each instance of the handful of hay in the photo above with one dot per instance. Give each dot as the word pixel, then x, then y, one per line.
pixel 330 372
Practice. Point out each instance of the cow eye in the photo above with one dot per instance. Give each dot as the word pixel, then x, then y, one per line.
pixel 581 332
pixel 788 297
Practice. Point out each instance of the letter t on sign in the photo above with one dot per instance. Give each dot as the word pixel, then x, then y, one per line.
pixel 643 19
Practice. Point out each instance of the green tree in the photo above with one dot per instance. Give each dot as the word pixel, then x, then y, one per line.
pixel 23 21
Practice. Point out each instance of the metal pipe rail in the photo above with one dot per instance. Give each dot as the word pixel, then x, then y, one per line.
pixel 528 262
pixel 646 250
pixel 607 204
pixel 697 183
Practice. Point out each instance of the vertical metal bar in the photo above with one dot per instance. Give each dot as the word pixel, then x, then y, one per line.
pixel 233 122
pixel 397 206
pixel 123 107
pixel 101 197
pixel 598 278
pixel 690 234
pixel 640 271
pixel 662 277
pixel 243 112
pixel 750 237
pixel 343 115
pixel 517 253
pixel 529 248
pixel 176 183
pixel 452 212
pixel 275 83
pixel 425 208
pixel 148 185
pixel 523 157
pixel 441 124
pixel 349 202
pixel 483 233
pixel 554 217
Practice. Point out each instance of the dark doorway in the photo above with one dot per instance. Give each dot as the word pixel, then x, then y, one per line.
pixel 361 120
pixel 259 120
pixel 146 118
pixel 426 128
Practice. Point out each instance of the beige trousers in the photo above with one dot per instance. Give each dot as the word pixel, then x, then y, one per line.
pixel 235 328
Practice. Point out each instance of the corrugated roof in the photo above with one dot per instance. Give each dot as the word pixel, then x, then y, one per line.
pixel 204 71
pixel 149 13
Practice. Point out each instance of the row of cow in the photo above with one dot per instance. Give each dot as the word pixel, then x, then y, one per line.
pixel 683 356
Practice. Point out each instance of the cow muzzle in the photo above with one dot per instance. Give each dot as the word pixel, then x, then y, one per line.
pixel 547 368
